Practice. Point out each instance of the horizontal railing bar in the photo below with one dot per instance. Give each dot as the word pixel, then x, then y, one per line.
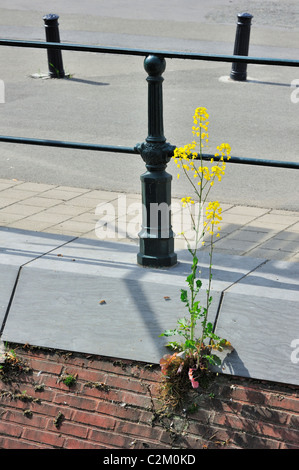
pixel 66 144
pixel 146 52
pixel 133 150
pixel 254 161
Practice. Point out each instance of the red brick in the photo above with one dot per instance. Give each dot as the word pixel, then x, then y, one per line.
pixel 235 422
pixel 284 445
pixel 147 372
pixel 154 390
pixel 70 359
pixel 284 402
pixel 69 428
pixel 264 413
pixel 28 389
pixel 138 430
pixel 135 399
pixel 146 417
pixel 15 416
pixel 50 410
pixel 111 440
pixel 8 443
pixel 117 366
pixel 201 415
pixel 262 429
pixel 46 394
pixel 119 411
pixel 244 394
pixel 8 429
pixel 10 404
pixel 220 405
pixel 39 436
pixel 46 366
pixel 144 444
pixel 51 381
pixel 183 442
pixel 94 363
pixel 80 444
pixel 94 419
pixel 279 432
pixel 88 375
pixel 294 421
pixel 110 394
pixel 125 383
pixel 248 441
pixel 75 401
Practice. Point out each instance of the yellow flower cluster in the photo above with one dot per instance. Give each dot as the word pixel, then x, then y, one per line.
pixel 187 200
pixel 213 216
pixel 190 161
pixel 184 157
pixel 200 121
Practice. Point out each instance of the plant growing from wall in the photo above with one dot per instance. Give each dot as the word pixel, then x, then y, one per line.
pixel 11 365
pixel 69 380
pixel 193 353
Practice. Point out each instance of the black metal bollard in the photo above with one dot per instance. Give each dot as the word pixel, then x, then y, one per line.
pixel 156 235
pixel 239 69
pixel 54 55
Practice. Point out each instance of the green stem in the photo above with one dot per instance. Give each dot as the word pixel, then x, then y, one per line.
pixel 204 323
pixel 193 296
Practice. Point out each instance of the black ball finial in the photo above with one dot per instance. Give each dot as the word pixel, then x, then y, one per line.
pixel 154 65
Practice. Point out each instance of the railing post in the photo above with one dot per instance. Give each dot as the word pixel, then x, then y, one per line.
pixel 156 235
pixel 54 55
pixel 239 69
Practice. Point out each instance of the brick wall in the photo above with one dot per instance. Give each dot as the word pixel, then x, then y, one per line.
pixel 113 404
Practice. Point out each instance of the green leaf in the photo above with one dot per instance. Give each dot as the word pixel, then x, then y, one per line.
pixel 222 342
pixel 209 328
pixel 198 283
pixel 174 346
pixel 190 344
pixel 213 359
pixel 197 307
pixel 216 360
pixel 184 296
pixel 168 333
pixel 183 323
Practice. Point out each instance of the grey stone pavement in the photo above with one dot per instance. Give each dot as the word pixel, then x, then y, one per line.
pixel 69 220
pixel 105 100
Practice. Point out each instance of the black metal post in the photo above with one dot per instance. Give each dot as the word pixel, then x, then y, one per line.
pixel 239 70
pixel 156 235
pixel 54 55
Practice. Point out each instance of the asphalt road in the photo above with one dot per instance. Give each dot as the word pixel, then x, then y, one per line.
pixel 105 100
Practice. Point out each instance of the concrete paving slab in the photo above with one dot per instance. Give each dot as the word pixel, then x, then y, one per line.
pixel 63 310
pixel 16 249
pixel 259 315
pixel 272 279
pixel 8 277
pixel 92 255
pixel 57 302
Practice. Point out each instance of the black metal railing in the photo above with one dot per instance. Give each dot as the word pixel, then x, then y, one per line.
pixel 155 249
pixel 146 52
pixel 134 150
